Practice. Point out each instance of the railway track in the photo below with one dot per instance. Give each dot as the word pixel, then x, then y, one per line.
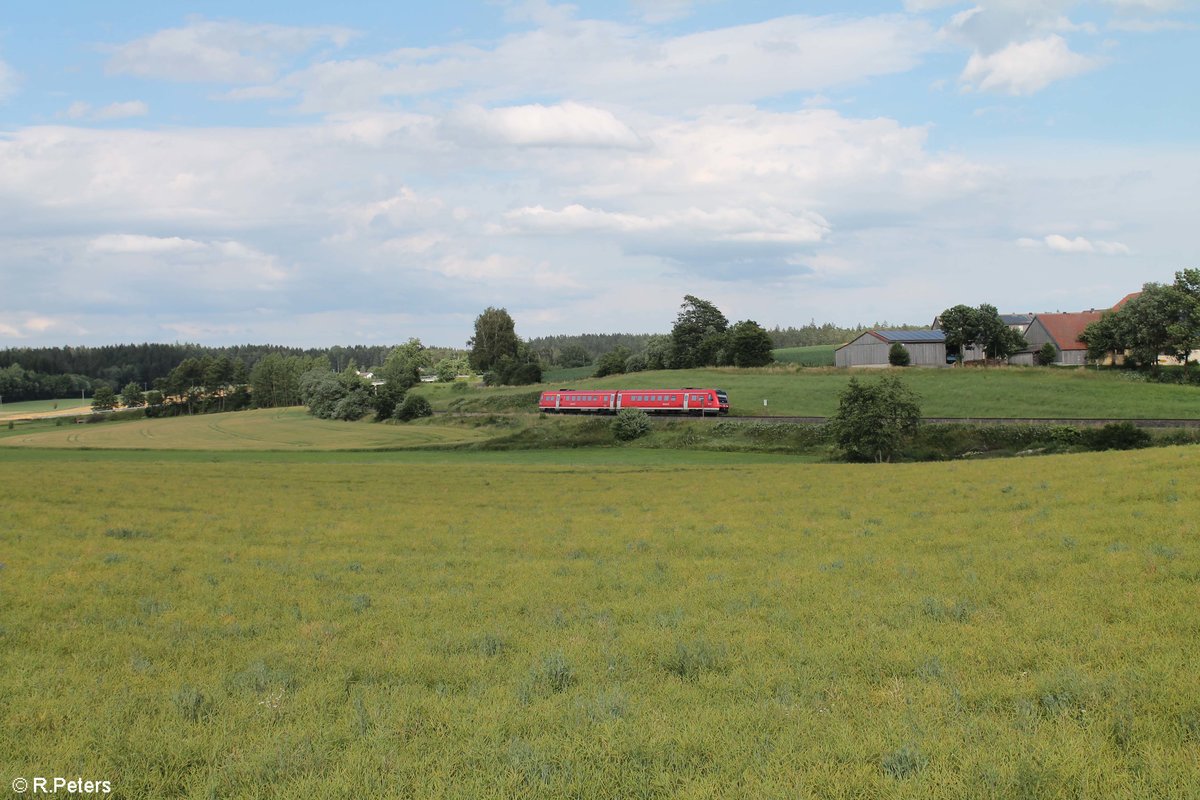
pixel 1092 422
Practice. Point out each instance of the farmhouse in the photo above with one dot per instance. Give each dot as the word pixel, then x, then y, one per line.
pixel 1062 331
pixel 925 348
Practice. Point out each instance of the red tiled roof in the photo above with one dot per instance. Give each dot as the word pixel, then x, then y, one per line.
pixel 1064 329
pixel 1126 299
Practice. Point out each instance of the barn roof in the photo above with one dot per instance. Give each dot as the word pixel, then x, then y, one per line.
pixel 1064 329
pixel 1125 300
pixel 1016 319
pixel 910 337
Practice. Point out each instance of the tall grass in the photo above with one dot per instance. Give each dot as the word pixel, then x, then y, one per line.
pixel 963 392
pixel 231 627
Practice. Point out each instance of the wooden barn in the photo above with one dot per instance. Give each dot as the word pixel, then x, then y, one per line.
pixel 925 349
pixel 1062 331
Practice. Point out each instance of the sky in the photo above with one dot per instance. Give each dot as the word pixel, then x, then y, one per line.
pixel 311 174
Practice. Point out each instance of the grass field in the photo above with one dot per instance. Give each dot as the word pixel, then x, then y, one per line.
pixel 450 625
pixel 65 405
pixel 820 355
pixel 994 392
pixel 265 429
pixel 561 377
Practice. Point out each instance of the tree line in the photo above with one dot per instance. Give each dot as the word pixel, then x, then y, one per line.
pixel 36 373
pixel 1164 320
pixel 580 350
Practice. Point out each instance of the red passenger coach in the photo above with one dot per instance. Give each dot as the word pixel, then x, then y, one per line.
pixel 696 402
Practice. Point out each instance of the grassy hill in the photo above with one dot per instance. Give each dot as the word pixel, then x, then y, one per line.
pixel 820 355
pixel 36 408
pixel 229 627
pixel 264 429
pixel 967 392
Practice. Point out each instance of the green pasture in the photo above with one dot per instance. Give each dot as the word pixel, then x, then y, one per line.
pixel 264 429
pixel 310 625
pixel 63 405
pixel 963 392
pixel 565 375
pixel 819 355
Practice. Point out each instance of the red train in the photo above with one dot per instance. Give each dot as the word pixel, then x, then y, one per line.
pixel 697 402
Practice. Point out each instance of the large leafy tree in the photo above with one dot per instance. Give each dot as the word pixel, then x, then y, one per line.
pixel 1162 320
pixel 104 399
pixel 997 339
pixel 1106 337
pixel 403 366
pixel 495 338
pixel 659 351
pixel 612 363
pixel 574 355
pixel 961 324
pixel 748 345
pixel 874 420
pixel 132 396
pixel 698 336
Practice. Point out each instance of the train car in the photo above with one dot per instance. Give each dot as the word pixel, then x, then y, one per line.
pixel 689 400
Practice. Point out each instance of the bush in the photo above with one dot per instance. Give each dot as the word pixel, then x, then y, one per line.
pixel 1116 436
pixel 874 420
pixel 414 406
pixel 630 424
pixel 898 355
pixel 1047 355
pixel 352 407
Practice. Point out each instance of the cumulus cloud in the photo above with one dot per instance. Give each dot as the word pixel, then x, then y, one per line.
pixel 1151 25
pixel 125 110
pixel 719 225
pixel 8 81
pixel 1062 244
pixel 562 125
pixel 655 11
pixel 218 52
pixel 134 243
pixel 594 60
pixel 1025 68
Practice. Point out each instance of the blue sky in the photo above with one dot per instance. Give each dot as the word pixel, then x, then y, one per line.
pixel 312 174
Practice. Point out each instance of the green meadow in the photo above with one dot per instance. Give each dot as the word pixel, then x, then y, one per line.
pixel 26 407
pixel 818 355
pixel 264 429
pixel 436 624
pixel 964 392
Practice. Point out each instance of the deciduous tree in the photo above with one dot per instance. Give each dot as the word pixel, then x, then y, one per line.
pixel 495 337
pixel 748 345
pixel 873 421
pixel 962 327
pixel 131 395
pixel 104 399
pixel 698 336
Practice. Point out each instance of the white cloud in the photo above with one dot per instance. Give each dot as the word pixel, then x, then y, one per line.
pixel 125 110
pixel 594 61
pixel 563 125
pixel 920 6
pixel 1062 244
pixel 134 243
pixel 1080 245
pixel 655 11
pixel 218 52
pixel 1025 68
pixel 1153 6
pixel 131 108
pixel 1151 25
pixel 8 81
pixel 718 225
